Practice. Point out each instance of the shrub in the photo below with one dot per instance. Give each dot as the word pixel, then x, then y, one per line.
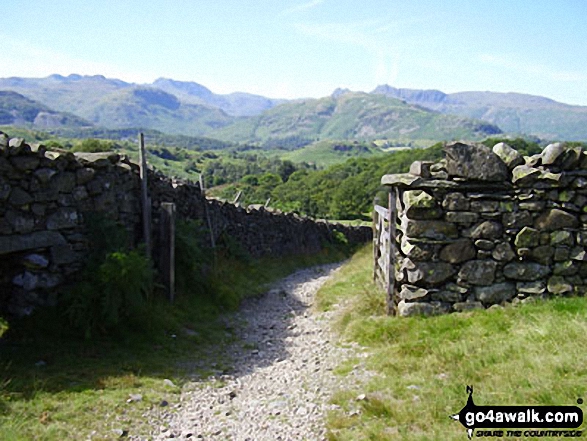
pixel 191 260
pixel 117 290
pixel 3 326
pixel 92 145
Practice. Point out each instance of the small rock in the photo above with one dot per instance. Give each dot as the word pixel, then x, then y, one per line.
pixel 134 398
pixel 168 382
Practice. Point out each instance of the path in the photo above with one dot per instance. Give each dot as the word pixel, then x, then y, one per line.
pixel 282 379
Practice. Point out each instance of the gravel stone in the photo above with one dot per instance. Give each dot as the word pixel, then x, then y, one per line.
pixel 281 389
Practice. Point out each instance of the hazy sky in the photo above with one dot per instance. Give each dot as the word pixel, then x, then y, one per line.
pixel 306 48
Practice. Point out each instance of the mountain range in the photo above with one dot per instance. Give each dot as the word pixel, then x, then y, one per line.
pixel 188 108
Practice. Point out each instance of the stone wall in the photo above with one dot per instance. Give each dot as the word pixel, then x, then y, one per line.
pixel 488 226
pixel 46 198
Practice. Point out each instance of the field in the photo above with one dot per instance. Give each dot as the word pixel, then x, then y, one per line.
pixel 527 355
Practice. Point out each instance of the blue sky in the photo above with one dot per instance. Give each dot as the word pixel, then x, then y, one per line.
pixel 306 48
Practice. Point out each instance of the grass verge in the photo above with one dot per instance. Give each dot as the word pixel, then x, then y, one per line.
pixel 528 355
pixel 55 385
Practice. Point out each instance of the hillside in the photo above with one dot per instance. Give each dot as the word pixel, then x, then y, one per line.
pixel 16 109
pixel 512 112
pixel 235 104
pixel 326 153
pixel 351 115
pixel 155 109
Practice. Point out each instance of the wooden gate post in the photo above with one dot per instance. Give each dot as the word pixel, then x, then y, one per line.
pixel 390 282
pixel 167 258
pixel 145 201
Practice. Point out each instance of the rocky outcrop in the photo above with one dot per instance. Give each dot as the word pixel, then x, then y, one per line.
pixel 510 227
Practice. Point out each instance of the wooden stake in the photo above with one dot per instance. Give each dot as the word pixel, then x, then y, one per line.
pixel 167 258
pixel 203 190
pixel 145 201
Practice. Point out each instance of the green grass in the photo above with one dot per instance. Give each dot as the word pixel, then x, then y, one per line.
pixel 58 386
pixel 327 153
pixel 533 354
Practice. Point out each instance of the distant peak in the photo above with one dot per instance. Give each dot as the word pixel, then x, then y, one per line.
pixel 339 91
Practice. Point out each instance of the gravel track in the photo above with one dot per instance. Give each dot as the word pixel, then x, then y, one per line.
pixel 282 376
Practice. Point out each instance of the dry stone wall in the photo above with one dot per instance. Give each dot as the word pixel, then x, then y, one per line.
pixel 46 198
pixel 488 226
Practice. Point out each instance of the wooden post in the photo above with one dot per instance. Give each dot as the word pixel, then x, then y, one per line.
pixel 203 190
pixel 167 258
pixel 391 308
pixel 145 201
pixel 375 240
pixel 237 197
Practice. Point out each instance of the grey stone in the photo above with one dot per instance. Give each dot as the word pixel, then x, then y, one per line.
pixel 400 179
pixel 487 230
pixel 478 272
pixel 458 252
pixel 582 237
pixel 562 237
pixel 5 190
pixel 410 292
pixel 420 205
pixel 19 197
pixel 44 175
pixel 62 219
pixel 484 244
pixel 543 254
pixel 503 252
pixel 20 222
pixel 532 205
pixel 558 285
pixel 552 152
pixel 455 202
pixel 429 229
pixel 467 306
pixel 566 268
pixel 531 288
pixel 447 296
pixel 561 253
pixel 406 309
pixel 580 183
pixel 525 175
pixel 16 143
pixel 27 280
pixel 417 250
pixel 84 175
pixel 36 261
pixel 63 182
pixel 555 219
pixel 39 239
pixel 525 271
pixel 517 219
pixel 496 293
pixel 80 193
pixel 25 163
pixel 527 238
pixel 461 217
pixel 476 162
pixel 430 273
pixel 484 206
pixel 421 168
pixel 511 157
pixel 578 253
